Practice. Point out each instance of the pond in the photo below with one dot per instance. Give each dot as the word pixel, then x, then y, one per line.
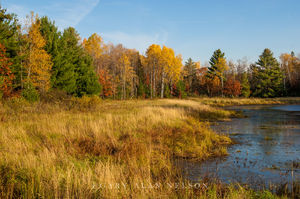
pixel 267 150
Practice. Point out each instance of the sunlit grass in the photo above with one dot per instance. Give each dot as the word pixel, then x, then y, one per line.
pixel 218 101
pixel 80 148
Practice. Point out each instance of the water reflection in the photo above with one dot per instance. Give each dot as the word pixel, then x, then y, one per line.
pixel 268 144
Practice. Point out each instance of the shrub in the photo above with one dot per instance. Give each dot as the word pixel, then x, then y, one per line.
pixel 85 103
pixel 167 92
pixel 30 93
pixel 55 95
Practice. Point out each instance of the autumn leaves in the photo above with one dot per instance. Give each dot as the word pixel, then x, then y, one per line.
pixel 37 61
pixel 163 67
pixel 38 58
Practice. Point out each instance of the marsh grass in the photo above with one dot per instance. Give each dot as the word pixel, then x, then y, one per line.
pixel 246 101
pixel 88 148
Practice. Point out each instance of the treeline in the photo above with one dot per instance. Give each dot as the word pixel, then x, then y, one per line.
pixel 36 59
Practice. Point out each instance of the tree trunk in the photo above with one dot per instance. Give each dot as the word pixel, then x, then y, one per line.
pixel 124 83
pixel 154 86
pixel 151 85
pixel 171 87
pixel 222 83
pixel 162 85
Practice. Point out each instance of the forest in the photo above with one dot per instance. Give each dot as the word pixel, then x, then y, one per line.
pixel 37 59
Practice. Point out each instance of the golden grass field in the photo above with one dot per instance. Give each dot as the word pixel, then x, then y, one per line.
pixel 89 148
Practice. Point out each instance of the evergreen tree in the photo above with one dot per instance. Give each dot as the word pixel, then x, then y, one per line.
pixel 11 39
pixel 63 71
pixel 51 35
pixel 212 70
pixel 217 67
pixel 245 85
pixel 269 76
pixel 87 82
pixel 74 70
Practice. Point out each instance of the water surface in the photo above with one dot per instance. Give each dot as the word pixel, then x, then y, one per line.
pixel 267 152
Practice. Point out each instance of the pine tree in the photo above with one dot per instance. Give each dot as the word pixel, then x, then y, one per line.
pixel 87 82
pixel 245 85
pixel 217 67
pixel 269 76
pixel 63 72
pixel 51 35
pixel 74 71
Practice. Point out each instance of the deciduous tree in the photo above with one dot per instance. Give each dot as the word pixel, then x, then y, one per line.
pixel 232 88
pixel 6 75
pixel 38 62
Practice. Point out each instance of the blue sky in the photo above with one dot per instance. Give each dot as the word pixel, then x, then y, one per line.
pixel 194 28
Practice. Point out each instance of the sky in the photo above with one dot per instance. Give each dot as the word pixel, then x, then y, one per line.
pixel 193 28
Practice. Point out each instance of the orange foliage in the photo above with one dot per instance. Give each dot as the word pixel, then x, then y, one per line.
pixel 105 80
pixel 6 75
pixel 213 85
pixel 232 88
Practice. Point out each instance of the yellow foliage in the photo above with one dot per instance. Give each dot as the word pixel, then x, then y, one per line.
pixel 222 65
pixel 94 46
pixel 38 62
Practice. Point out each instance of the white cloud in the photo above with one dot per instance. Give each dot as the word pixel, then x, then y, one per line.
pixel 20 11
pixel 73 12
pixel 64 13
pixel 139 42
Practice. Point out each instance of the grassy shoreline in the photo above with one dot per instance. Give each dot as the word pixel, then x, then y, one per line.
pixel 80 149
pixel 246 101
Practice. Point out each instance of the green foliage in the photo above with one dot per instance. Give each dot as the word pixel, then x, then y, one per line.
pixel 63 71
pixel 180 90
pixel 87 82
pixel 245 85
pixel 10 38
pixel 268 75
pixel 73 71
pixel 167 93
pixel 141 90
pixel 213 69
pixel 30 93
pixel 51 35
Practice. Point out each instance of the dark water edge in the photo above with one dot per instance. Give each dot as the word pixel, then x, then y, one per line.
pixel 267 153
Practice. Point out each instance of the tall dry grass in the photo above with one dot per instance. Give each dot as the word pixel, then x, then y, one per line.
pixel 91 149
pixel 219 101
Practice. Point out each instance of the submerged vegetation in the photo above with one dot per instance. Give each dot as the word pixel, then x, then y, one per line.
pixel 88 148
